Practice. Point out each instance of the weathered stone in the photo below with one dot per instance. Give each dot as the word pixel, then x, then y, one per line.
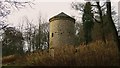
pixel 62 30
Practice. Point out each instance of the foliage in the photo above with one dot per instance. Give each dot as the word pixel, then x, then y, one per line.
pixel 9 58
pixel 94 54
pixel 12 42
pixel 104 18
pixel 87 22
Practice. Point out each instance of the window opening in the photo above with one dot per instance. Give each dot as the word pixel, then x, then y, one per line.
pixel 52 34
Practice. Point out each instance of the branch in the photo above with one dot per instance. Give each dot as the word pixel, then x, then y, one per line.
pixel 103 5
pixel 3 27
pixel 100 11
pixel 95 12
pixel 94 5
pixel 18 4
pixel 78 6
pixel 96 20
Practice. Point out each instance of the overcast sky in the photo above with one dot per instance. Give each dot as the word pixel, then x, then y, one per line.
pixel 45 8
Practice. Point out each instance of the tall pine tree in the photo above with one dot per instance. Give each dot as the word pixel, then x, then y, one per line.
pixel 87 22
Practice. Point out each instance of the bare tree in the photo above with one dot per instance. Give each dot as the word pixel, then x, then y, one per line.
pixel 5 9
pixel 111 22
pixel 28 33
pixel 100 11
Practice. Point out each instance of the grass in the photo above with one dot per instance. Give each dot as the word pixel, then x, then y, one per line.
pixel 9 58
pixel 94 54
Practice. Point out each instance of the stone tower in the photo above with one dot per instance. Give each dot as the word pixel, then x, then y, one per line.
pixel 61 30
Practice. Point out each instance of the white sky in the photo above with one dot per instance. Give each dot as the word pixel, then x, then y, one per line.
pixel 45 8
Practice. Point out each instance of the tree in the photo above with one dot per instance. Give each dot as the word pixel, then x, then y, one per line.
pixel 101 21
pixel 87 22
pixel 107 20
pixel 12 42
pixel 100 18
pixel 29 33
pixel 110 21
pixel 42 35
pixel 5 9
pixel 79 32
pixel 37 37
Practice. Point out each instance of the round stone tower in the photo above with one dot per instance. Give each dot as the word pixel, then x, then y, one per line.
pixel 61 30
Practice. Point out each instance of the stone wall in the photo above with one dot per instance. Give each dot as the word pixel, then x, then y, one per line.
pixel 61 32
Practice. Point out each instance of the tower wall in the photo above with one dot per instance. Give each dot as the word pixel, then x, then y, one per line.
pixel 62 32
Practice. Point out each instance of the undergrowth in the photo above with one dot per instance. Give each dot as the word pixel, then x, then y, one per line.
pixel 93 54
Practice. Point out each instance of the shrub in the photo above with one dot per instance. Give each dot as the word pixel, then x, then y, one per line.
pixel 9 59
pixel 96 53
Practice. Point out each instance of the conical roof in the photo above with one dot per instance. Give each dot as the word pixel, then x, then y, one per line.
pixel 61 15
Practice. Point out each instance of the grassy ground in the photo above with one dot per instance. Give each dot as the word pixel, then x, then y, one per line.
pixel 94 54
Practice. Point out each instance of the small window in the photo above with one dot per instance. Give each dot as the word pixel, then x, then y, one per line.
pixel 52 34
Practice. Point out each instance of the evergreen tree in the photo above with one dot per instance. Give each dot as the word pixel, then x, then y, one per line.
pixel 87 22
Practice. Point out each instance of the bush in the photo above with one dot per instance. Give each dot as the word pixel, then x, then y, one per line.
pixel 9 59
pixel 96 53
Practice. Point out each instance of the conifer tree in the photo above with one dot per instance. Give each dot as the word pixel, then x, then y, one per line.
pixel 87 22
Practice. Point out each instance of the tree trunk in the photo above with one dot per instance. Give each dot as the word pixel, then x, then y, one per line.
pixel 101 21
pixel 112 25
